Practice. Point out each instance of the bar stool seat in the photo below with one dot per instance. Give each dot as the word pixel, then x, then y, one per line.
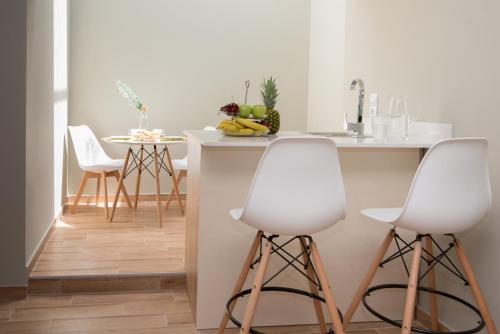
pixel 450 193
pixel 385 215
pixel 282 201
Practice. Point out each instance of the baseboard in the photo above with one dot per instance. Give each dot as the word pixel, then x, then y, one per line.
pixel 90 199
pixel 46 236
pixel 425 319
pixel 13 292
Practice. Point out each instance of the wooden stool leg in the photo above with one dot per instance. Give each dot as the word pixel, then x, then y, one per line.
pixel 256 287
pixel 313 288
pixel 103 175
pixel 476 291
pixel 241 279
pixel 411 292
pixel 138 179
pixel 325 286
pixel 120 184
pixel 368 277
pixel 431 283
pixel 97 190
pixel 85 177
pixel 116 174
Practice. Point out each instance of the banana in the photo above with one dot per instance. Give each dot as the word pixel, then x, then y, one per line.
pixel 252 125
pixel 247 131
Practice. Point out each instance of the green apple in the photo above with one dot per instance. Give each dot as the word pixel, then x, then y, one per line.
pixel 245 110
pixel 258 111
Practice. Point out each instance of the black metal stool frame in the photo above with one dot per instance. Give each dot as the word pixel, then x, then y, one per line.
pixel 292 261
pixel 443 260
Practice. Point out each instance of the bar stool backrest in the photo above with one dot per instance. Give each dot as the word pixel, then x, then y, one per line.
pixel 297 188
pixel 451 190
pixel 87 148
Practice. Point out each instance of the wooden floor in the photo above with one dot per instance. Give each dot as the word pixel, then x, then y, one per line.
pixel 125 313
pixel 86 244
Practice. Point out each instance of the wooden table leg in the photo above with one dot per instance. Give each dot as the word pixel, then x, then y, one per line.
pixel 157 179
pixel 138 180
pixel 120 183
pixel 174 179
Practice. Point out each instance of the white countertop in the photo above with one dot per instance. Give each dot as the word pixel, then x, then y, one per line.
pixel 216 139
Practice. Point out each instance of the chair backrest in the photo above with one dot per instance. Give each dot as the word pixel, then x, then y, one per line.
pixel 297 188
pixel 87 148
pixel 451 190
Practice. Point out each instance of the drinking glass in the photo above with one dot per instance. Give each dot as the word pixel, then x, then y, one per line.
pixel 397 114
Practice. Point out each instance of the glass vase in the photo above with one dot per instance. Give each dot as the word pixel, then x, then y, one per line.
pixel 143 121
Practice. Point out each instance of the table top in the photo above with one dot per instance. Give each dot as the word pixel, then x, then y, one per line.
pixel 129 140
pixel 216 139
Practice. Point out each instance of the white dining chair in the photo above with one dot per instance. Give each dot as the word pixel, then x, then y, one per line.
pixel 291 197
pixel 450 193
pixel 180 168
pixel 95 163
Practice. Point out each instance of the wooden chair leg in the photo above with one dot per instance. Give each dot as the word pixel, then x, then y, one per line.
pixel 120 184
pixel 181 174
pixel 116 174
pixel 241 279
pixel 313 288
pixel 476 290
pixel 256 287
pixel 411 292
pixel 327 292
pixel 98 189
pixel 174 181
pixel 368 277
pixel 431 283
pixel 105 182
pixel 85 177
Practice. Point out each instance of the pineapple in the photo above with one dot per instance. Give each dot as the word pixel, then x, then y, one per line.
pixel 270 95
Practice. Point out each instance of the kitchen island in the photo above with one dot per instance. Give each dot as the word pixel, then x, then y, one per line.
pixel 220 170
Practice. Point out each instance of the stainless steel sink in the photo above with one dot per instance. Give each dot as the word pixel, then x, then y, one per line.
pixel 330 134
pixel 335 134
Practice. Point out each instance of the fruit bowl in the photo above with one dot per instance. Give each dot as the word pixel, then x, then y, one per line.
pixel 240 134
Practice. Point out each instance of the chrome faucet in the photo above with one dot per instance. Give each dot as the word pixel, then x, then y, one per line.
pixel 357 127
pixel 361 98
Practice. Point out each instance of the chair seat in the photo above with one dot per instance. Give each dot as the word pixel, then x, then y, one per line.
pixel 180 164
pixel 108 166
pixel 385 215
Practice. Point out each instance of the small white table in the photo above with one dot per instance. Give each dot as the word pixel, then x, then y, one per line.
pixel 140 155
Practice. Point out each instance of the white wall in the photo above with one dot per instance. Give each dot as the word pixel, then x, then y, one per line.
pixel 445 55
pixel 46 117
pixel 326 65
pixel 13 137
pixel 185 59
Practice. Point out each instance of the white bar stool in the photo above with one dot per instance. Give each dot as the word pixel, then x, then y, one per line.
pixel 450 193
pixel 292 197
pixel 94 161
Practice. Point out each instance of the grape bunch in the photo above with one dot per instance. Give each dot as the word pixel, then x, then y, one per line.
pixel 231 109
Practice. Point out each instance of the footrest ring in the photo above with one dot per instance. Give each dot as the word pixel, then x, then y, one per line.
pixel 396 323
pixel 273 288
